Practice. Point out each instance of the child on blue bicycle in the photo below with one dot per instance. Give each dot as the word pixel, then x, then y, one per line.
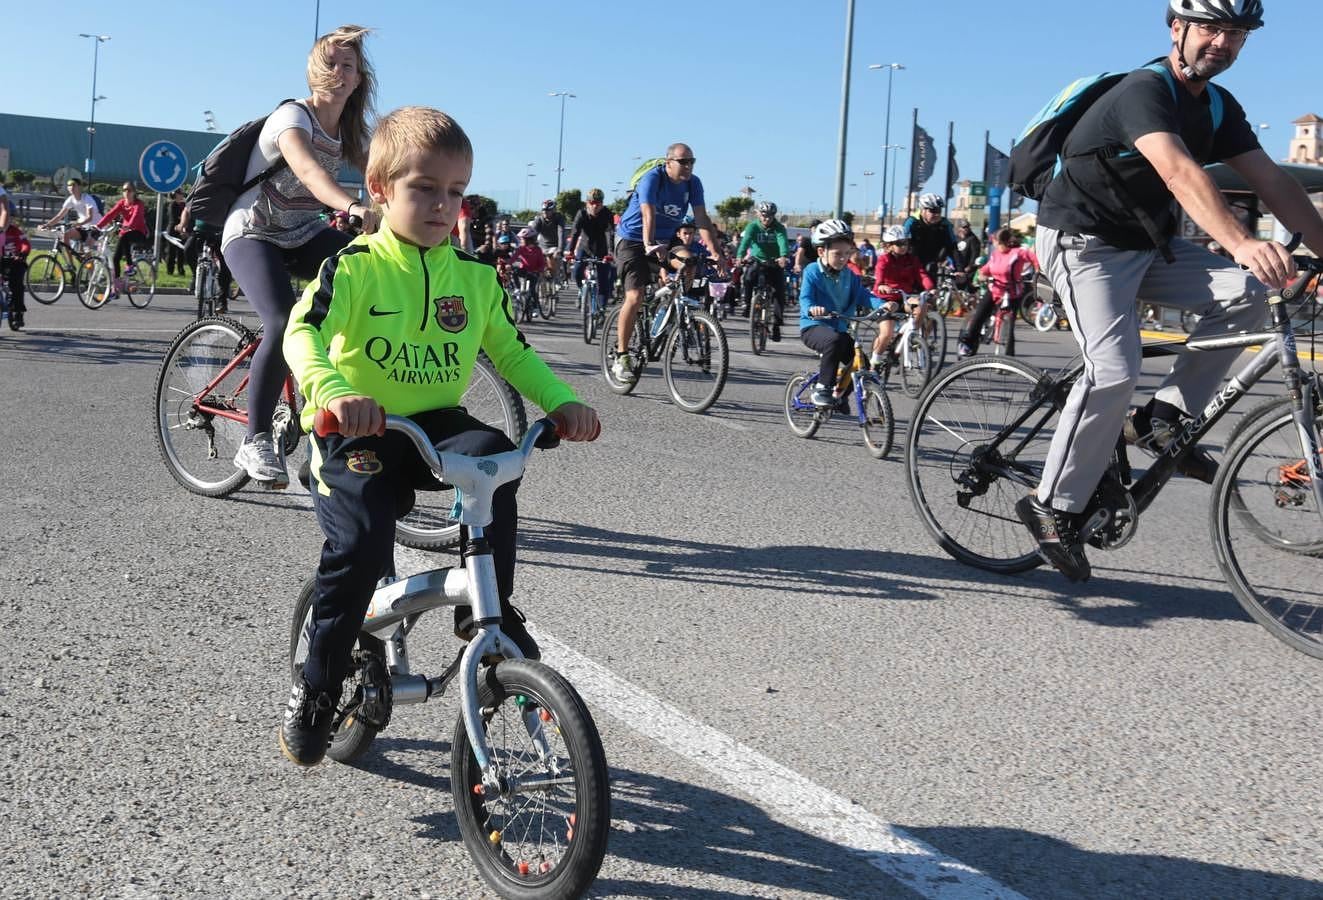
pixel 394 324
pixel 830 287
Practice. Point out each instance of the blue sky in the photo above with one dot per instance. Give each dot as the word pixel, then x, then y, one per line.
pixel 753 87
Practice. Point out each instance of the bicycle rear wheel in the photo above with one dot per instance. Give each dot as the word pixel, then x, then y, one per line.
pixel 360 722
pixel 429 525
pixel 801 415
pixel 964 483
pixel 1267 528
pixel 545 836
pixel 94 283
pixel 879 425
pixel 45 278
pixel 140 287
pixel 198 446
pixel 695 362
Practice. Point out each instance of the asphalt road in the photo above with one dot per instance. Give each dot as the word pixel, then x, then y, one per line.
pixel 799 694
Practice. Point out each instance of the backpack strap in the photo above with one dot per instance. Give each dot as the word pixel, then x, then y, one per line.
pixel 276 166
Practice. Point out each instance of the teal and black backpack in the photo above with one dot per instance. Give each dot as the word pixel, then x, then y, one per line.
pixel 1036 157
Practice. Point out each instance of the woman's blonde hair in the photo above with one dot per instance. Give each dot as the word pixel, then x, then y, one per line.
pixel 321 76
pixel 411 129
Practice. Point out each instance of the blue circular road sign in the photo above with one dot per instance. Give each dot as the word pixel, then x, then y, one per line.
pixel 163 166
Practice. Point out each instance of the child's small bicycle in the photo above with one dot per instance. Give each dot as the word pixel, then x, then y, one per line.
pixel 527 770
pixel 869 389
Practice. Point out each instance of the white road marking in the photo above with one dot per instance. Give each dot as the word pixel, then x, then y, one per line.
pixel 773 787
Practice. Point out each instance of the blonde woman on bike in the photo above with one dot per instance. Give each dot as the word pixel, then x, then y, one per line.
pixel 276 228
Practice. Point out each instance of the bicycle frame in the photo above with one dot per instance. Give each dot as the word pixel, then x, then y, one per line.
pixel 1278 348
pixel 396 607
pixel 235 414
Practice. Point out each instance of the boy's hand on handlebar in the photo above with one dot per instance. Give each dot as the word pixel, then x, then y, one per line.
pixel 817 312
pixel 358 416
pixel 576 422
pixel 1268 261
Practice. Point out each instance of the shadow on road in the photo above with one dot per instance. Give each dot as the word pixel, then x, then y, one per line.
pixel 661 822
pixel 1038 865
pixel 852 574
pixel 84 349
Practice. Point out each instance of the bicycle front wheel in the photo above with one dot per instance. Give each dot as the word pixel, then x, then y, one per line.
pixel 1046 317
pixel 758 327
pixel 195 398
pixel 964 482
pixel 801 415
pixel 879 425
pixel 489 399
pixel 1267 528
pixel 915 366
pixel 637 350
pixel 695 362
pixel 545 836
pixel 141 285
pixel 935 337
pixel 94 283
pixel 45 278
pixel 589 317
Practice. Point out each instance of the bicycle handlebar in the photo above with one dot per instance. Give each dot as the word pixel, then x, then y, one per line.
pixel 541 434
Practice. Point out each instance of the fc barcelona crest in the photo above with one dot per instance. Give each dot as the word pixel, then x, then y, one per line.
pixel 451 314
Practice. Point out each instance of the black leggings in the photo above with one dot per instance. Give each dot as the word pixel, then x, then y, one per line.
pixel 972 331
pixel 127 241
pixel 358 518
pixel 836 347
pixel 262 270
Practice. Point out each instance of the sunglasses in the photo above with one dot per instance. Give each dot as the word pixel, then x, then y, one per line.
pixel 683 160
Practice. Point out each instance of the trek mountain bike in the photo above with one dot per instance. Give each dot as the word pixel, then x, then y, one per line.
pixel 981 433
pixel 673 327
pixel 201 409
pixel 871 406
pixel 528 773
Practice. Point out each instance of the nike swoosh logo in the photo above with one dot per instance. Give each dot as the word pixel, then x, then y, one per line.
pixel 373 311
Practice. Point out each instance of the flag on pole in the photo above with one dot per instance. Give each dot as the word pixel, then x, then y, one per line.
pixel 994 168
pixel 924 160
pixel 952 170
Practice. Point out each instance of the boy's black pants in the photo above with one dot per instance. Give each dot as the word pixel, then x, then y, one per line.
pixel 371 483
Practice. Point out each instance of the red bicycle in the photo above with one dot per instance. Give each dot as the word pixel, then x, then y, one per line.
pixel 202 417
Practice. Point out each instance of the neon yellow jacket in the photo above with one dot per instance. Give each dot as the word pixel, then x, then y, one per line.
pixel 403 325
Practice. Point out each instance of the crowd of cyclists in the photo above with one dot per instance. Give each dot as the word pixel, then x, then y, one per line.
pixel 271 233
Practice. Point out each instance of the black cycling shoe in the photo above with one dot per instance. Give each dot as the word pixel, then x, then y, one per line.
pixel 15 321
pixel 1154 434
pixel 776 333
pixel 306 732
pixel 512 626
pixel 1058 537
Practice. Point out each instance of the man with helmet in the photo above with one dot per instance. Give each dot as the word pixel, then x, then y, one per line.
pixel 656 208
pixel 765 242
pixel 591 236
pixel 829 287
pixel 550 227
pixel 1106 237
pixel 930 233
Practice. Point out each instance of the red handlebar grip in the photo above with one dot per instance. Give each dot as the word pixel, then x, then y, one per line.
pixel 324 422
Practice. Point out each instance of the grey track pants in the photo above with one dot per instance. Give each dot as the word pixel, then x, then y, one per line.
pixel 1099 285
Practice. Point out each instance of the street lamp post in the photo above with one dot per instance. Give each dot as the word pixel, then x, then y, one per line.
pixel 90 163
pixel 886 137
pixel 867 192
pixel 895 160
pixel 560 145
pixel 528 177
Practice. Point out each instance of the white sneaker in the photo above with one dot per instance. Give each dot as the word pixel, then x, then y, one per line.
pixel 257 456
pixel 623 368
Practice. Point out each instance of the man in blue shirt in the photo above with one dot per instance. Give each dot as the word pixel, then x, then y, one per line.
pixel 656 210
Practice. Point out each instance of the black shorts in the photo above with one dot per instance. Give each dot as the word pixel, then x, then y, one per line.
pixel 637 268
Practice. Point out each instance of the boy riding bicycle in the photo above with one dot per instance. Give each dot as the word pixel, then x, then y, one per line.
pixel 830 287
pixel 394 324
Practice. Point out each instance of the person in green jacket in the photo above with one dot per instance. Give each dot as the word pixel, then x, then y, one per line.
pixel 393 324
pixel 766 243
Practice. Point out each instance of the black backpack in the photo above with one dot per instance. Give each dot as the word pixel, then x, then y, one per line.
pixel 219 179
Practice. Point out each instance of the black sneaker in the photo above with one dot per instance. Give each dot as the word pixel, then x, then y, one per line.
pixel 512 626
pixel 776 332
pixel 1155 435
pixel 1057 535
pixel 306 732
